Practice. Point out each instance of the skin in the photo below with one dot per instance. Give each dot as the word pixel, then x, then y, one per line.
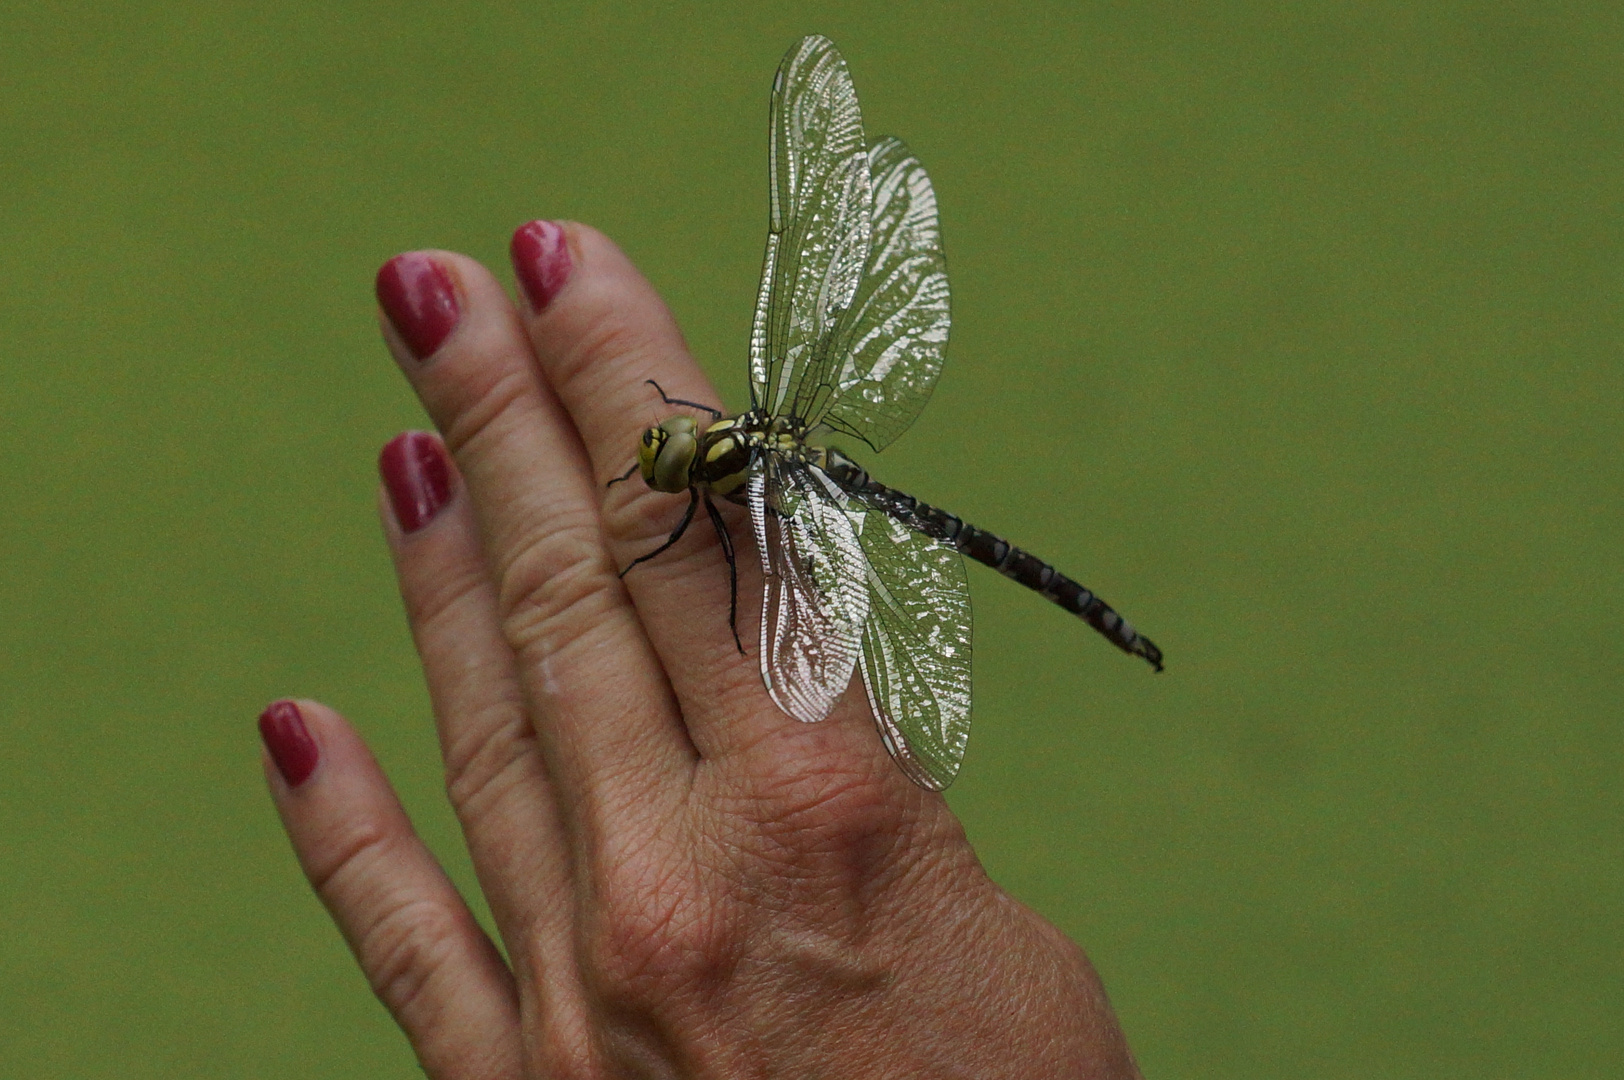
pixel 688 882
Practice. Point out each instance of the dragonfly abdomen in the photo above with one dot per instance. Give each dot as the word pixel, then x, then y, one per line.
pixel 994 551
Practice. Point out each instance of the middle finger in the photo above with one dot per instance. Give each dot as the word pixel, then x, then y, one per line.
pixel 599 342
pixel 601 706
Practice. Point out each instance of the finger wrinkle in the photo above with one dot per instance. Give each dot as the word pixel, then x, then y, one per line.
pixel 444 596
pixel 423 974
pixel 534 517
pixel 555 588
pixel 357 844
pixel 504 758
pixel 648 516
pixel 610 356
pixel 513 393
pixel 407 947
pixel 542 639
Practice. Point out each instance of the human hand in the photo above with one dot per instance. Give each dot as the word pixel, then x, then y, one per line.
pixel 688 882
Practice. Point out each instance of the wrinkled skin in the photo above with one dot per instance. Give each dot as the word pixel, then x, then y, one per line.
pixel 688 883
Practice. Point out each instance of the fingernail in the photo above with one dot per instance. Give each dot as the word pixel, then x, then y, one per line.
pixel 289 742
pixel 417 476
pixel 417 295
pixel 541 261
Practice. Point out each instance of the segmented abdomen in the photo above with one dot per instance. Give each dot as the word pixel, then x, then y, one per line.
pixel 990 550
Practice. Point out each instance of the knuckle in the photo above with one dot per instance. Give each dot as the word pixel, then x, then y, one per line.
pixel 636 959
pixel 832 813
pixel 831 788
pixel 350 856
pixel 555 588
pixel 650 933
pixel 603 342
pixel 441 596
pixel 646 517
pixel 402 942
pixel 600 339
pixel 406 950
pixel 493 397
pixel 565 1055
pixel 479 769
pixel 843 827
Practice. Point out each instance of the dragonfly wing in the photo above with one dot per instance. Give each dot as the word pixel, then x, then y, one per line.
pixel 894 340
pixel 817 240
pixel 916 649
pixel 816 597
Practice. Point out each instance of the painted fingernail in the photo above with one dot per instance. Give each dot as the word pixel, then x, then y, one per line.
pixel 417 476
pixel 289 742
pixel 541 261
pixel 420 300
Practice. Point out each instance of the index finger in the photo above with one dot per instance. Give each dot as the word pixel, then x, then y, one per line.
pixel 601 334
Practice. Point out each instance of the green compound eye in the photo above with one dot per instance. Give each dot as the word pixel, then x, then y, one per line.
pixel 666 465
pixel 648 451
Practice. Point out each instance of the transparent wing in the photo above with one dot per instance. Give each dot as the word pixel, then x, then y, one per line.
pixel 894 339
pixel 816 598
pixel 916 649
pixel 818 233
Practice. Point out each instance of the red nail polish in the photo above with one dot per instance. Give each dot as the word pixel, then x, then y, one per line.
pixel 417 476
pixel 289 742
pixel 541 261
pixel 420 300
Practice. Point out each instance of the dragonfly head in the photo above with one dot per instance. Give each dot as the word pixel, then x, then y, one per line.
pixel 665 456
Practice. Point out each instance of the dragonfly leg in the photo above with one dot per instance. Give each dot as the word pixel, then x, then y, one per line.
pixel 627 475
pixel 676 534
pixel 732 570
pixel 715 413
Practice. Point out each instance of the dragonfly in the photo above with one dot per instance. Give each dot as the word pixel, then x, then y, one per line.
pixel 849 336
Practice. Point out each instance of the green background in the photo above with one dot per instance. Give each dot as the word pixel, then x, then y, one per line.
pixel 1294 329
